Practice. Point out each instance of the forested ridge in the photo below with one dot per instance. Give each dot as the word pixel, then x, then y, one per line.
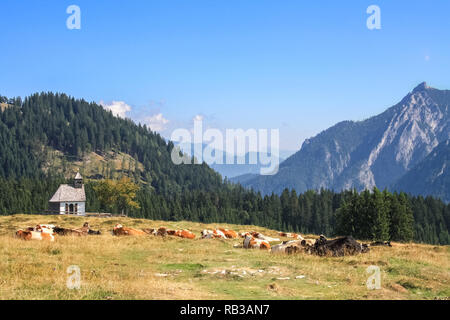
pixel 188 192
pixel 76 127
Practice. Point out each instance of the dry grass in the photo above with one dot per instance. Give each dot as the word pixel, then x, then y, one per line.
pixel 154 268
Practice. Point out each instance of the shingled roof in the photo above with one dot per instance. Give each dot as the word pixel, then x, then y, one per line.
pixel 66 193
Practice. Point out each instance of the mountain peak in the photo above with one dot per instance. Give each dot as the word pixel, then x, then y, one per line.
pixel 421 87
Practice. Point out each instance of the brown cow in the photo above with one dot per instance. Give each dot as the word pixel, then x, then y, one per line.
pixel 260 236
pixel 251 242
pixel 34 235
pixel 290 235
pixel 163 231
pixel 213 234
pixel 120 230
pixel 184 234
pixel 230 234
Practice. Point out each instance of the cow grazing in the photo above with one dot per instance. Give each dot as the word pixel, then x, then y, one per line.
pixel 120 230
pixel 290 235
pixel 251 242
pixel 230 234
pixel 337 247
pixel 213 234
pixel 34 235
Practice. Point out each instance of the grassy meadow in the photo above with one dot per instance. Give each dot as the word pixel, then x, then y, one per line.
pixel 149 267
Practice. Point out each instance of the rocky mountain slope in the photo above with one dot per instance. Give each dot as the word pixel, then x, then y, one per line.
pixel 374 152
pixel 431 176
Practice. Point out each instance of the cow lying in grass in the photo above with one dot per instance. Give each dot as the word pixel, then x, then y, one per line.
pixel 34 235
pixel 220 233
pixel 251 242
pixel 230 234
pixel 46 228
pixel 163 231
pixel 293 246
pixel 120 230
pixel 290 235
pixel 258 235
pixel 39 232
pixel 337 247
pixel 213 234
pixel 83 231
pixel 286 246
pixel 185 234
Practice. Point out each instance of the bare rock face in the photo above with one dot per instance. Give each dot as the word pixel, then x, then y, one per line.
pixel 374 152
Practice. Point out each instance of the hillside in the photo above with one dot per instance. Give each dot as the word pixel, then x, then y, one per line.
pixel 94 165
pixel 53 132
pixel 173 268
pixel 431 176
pixel 374 152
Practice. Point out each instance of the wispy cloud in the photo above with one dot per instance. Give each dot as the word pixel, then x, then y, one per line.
pixel 156 122
pixel 118 108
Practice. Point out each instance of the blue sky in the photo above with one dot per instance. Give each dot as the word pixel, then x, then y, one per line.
pixel 300 66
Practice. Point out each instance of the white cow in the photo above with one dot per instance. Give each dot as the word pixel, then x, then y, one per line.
pixel 213 234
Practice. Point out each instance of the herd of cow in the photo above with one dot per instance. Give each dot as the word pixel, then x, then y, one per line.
pixel 251 240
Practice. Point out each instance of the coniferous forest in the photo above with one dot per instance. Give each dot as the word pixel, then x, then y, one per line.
pixel 187 192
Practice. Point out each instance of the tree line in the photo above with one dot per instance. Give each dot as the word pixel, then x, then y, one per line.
pixel 369 215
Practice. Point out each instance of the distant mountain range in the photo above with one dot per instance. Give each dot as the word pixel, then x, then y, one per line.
pixel 234 169
pixel 408 142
